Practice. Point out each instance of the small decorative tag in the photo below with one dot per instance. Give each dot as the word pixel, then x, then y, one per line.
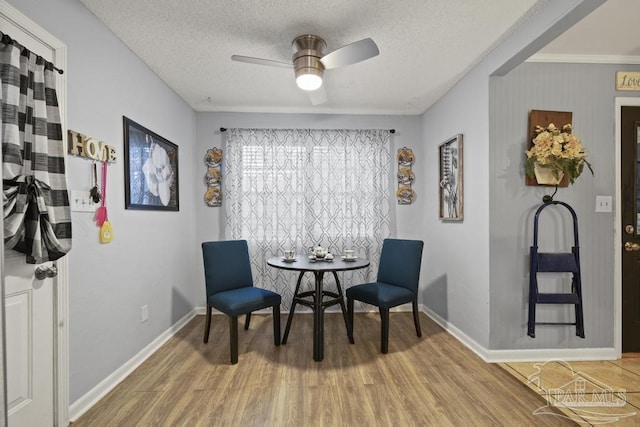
pixel 106 232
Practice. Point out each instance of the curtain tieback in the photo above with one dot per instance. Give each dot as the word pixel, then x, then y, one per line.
pixel 23 191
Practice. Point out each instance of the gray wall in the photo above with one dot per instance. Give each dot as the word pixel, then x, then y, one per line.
pixel 587 90
pixel 456 286
pixel 153 258
pixel 457 281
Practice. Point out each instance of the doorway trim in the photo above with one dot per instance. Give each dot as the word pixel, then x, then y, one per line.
pixel 617 256
pixel 61 293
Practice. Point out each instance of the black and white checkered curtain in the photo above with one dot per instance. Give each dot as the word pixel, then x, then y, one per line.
pixel 37 217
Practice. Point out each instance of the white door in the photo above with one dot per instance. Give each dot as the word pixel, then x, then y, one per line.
pixel 33 321
pixel 29 344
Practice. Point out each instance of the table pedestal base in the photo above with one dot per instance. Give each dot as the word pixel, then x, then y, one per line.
pixel 316 300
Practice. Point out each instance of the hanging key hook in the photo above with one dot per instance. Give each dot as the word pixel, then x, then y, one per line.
pixel 95 190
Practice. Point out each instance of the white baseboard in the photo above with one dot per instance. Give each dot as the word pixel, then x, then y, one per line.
pixel 465 339
pixel 543 355
pixel 521 355
pixel 84 403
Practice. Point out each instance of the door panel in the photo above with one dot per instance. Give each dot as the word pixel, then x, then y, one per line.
pixel 29 343
pixel 30 327
pixel 19 378
pixel 630 212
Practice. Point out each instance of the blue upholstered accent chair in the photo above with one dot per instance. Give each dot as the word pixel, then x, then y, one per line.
pixel 396 284
pixel 227 270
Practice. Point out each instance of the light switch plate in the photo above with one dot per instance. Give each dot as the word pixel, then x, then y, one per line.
pixel 81 201
pixel 603 203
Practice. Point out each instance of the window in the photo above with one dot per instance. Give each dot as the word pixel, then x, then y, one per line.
pixel 295 188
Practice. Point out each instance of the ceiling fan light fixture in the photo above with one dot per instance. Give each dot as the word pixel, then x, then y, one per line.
pixel 309 61
pixel 307 51
pixel 309 79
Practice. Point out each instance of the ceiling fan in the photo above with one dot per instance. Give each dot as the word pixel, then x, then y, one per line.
pixel 309 61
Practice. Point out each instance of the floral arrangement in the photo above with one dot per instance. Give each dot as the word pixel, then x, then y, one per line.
pixel 561 151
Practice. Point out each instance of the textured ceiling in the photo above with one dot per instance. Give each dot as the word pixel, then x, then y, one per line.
pixel 425 47
pixel 609 34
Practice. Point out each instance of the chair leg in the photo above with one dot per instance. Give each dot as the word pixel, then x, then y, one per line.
pixel 233 338
pixel 207 324
pixel 247 320
pixel 384 333
pixel 276 325
pixel 416 318
pixel 350 316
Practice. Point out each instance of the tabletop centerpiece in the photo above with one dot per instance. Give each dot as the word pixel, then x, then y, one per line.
pixel 318 253
pixel 554 154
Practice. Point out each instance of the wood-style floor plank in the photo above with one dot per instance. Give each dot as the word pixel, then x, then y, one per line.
pixel 432 380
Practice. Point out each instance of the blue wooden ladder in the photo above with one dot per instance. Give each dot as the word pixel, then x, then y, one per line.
pixel 555 263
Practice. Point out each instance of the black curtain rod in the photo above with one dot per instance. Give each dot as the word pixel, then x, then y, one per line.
pixel 223 130
pixel 6 39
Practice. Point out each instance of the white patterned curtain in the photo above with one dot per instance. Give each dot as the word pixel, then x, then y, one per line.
pixel 296 188
pixel 37 217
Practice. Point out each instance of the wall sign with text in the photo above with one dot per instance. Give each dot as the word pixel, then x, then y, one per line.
pixel 85 146
pixel 628 80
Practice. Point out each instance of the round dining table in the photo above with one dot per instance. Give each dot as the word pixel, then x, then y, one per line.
pixel 318 299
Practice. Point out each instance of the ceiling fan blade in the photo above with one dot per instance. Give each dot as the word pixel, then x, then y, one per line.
pixel 318 96
pixel 350 54
pixel 260 61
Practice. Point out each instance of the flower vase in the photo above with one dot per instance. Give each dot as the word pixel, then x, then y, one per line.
pixel 545 176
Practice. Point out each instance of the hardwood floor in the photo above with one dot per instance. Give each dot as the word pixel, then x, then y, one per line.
pixel 433 380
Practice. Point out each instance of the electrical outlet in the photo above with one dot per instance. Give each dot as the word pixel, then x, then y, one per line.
pixel 603 203
pixel 144 313
pixel 81 201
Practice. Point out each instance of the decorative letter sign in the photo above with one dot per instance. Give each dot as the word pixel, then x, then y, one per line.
pixel 85 146
pixel 628 80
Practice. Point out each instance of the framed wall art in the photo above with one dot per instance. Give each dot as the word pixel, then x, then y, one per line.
pixel 451 179
pixel 150 169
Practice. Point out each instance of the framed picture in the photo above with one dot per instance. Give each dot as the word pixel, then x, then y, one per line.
pixel 150 169
pixel 451 179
